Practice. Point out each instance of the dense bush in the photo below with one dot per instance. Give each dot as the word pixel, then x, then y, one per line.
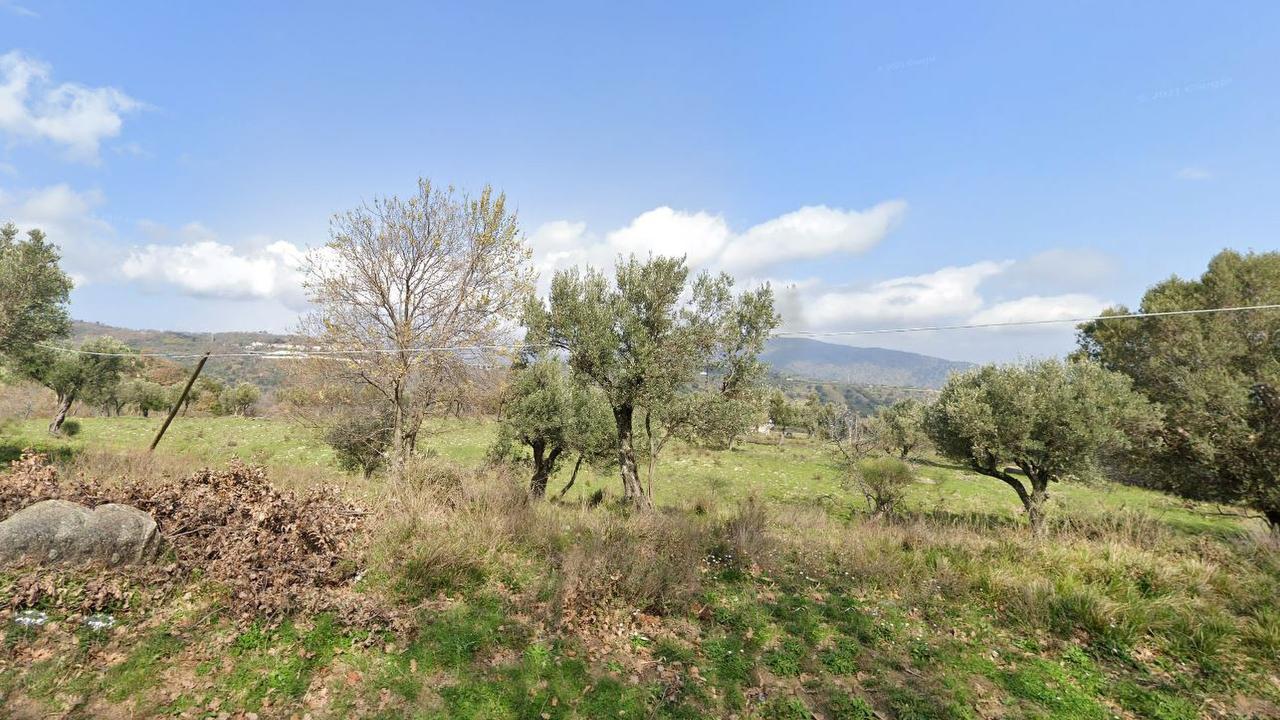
pixel 360 440
pixel 883 481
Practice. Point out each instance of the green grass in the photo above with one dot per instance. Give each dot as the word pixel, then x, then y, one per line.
pixel 952 613
pixel 798 473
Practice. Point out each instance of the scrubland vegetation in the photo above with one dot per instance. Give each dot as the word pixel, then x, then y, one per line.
pixel 600 523
pixel 761 587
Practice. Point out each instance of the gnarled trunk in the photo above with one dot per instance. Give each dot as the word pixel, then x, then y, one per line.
pixel 64 406
pixel 632 491
pixel 1035 509
pixel 543 463
pixel 1033 499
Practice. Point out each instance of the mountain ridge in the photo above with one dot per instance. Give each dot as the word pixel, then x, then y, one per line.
pixel 821 361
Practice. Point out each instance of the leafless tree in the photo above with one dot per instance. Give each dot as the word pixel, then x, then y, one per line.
pixel 410 288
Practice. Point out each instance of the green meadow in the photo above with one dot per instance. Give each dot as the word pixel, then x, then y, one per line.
pixel 761 589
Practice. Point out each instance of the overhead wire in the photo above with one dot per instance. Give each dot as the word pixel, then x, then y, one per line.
pixel 291 354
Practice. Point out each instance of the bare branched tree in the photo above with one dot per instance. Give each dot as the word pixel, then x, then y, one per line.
pixel 412 287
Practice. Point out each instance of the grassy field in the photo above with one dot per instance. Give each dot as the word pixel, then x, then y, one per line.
pixel 798 472
pixel 1135 605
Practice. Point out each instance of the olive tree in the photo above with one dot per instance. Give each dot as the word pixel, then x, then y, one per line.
pixel 1051 419
pixel 899 427
pixel 33 291
pixel 360 436
pixel 71 375
pixel 403 282
pixel 143 394
pixel 730 399
pixel 546 410
pixel 1215 375
pixel 641 338
pixel 238 399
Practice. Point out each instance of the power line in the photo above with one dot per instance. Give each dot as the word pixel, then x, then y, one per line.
pixel 293 354
pixel 339 354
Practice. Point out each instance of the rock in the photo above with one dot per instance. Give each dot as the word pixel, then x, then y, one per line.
pixel 61 531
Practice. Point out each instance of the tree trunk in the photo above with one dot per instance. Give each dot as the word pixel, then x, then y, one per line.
pixel 543 462
pixel 1032 500
pixel 64 405
pixel 572 478
pixel 653 451
pixel 1273 520
pixel 1035 510
pixel 1039 496
pixel 632 490
pixel 399 454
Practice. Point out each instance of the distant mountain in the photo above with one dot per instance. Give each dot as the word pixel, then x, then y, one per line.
pixel 802 358
pixel 864 377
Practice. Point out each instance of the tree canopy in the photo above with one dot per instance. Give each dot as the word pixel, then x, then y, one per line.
pixel 641 341
pixel 1216 376
pixel 33 291
pixel 403 280
pixel 1052 419
pixel 552 414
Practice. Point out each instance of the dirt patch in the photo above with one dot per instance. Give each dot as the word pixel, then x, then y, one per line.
pixel 273 552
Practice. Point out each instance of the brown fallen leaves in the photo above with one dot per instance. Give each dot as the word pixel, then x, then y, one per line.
pixel 273 552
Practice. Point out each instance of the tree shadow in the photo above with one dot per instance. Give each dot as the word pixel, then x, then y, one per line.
pixel 942 465
pixel 10 451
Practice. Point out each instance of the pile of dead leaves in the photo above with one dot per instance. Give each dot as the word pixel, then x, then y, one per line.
pixel 274 552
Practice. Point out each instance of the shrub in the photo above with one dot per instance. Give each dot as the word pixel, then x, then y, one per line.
pixel 742 540
pixel 360 440
pixel 649 562
pixel 450 529
pixel 883 481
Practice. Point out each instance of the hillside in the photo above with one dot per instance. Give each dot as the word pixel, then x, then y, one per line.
pixel 863 378
pixel 801 358
pixel 264 373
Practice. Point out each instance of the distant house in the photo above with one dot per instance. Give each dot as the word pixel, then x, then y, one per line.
pixel 766 428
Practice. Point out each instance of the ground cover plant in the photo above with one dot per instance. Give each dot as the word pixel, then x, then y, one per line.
pixel 795 604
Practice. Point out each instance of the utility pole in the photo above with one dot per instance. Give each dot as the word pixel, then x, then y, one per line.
pixel 181 398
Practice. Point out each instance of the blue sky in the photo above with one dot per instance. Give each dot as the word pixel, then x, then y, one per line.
pixel 882 164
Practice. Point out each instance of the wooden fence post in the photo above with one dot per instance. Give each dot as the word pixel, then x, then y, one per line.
pixel 181 398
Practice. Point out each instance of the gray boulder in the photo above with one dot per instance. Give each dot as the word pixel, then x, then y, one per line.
pixel 62 531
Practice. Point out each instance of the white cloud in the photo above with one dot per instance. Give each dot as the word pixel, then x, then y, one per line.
pixel 19 10
pixel 941 293
pixel 69 114
pixel 1193 173
pixel 708 241
pixel 1035 307
pixel 69 218
pixel 203 266
pixel 811 232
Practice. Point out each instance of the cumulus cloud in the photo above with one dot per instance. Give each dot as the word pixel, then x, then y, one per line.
pixel 708 241
pixel 1035 307
pixel 75 116
pixel 941 293
pixel 812 232
pixel 203 266
pixel 69 218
